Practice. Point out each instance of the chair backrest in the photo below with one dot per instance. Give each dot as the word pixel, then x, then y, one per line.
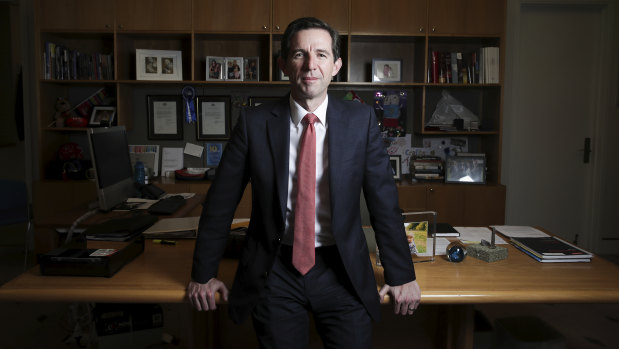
pixel 13 202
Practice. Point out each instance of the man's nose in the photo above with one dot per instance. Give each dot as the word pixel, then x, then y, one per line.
pixel 310 62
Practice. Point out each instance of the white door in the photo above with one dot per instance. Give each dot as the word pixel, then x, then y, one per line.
pixel 552 104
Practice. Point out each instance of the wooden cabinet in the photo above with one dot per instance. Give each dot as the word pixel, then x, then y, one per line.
pixel 388 17
pixel 456 204
pixel 391 29
pixel 466 17
pixel 156 15
pixel 334 12
pixel 75 15
pixel 232 16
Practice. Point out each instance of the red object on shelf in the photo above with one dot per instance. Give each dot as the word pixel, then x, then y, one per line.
pixel 76 122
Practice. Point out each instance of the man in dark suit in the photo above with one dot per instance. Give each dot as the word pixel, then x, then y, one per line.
pixel 338 285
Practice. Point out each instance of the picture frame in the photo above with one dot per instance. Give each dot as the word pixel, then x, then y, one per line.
pixel 213 114
pixel 215 68
pixel 386 70
pixel 102 116
pixel 282 76
pixel 251 68
pixel 465 168
pixel 396 165
pixel 158 65
pixel 234 68
pixel 165 117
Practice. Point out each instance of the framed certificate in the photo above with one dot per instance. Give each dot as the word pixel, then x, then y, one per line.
pixel 213 118
pixel 165 117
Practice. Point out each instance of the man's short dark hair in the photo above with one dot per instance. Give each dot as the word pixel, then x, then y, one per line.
pixel 309 23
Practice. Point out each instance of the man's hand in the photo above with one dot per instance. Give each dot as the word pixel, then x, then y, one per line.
pixel 202 296
pixel 405 297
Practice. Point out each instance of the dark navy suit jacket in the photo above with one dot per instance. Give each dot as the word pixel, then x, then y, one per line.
pixel 258 153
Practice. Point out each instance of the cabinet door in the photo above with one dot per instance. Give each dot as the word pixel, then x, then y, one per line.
pixel 484 205
pixel 461 17
pixel 388 17
pixel 231 15
pixel 412 198
pixel 76 15
pixel 447 201
pixel 334 12
pixel 153 15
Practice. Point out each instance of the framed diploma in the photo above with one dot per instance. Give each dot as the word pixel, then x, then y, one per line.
pixel 213 118
pixel 165 117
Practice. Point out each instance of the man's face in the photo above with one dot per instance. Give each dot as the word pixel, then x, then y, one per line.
pixel 310 65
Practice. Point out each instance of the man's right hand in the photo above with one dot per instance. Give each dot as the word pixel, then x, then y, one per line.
pixel 202 296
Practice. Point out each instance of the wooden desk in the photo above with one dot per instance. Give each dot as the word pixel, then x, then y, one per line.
pixel 162 272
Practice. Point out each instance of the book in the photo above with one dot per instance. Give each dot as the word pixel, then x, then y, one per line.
pixel 446 230
pixel 556 260
pixel 551 248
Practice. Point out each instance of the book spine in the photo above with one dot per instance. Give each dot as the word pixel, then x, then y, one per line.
pixel 435 68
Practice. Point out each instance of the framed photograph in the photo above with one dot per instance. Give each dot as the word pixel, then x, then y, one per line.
pixel 215 68
pixel 386 70
pixel 465 168
pixel 165 117
pixel 234 68
pixel 396 165
pixel 256 101
pixel 102 116
pixel 158 65
pixel 252 68
pixel 213 118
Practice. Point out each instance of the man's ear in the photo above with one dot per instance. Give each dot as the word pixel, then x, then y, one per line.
pixel 338 66
pixel 281 63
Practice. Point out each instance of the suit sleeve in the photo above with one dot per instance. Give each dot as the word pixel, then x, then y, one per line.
pixel 381 196
pixel 220 204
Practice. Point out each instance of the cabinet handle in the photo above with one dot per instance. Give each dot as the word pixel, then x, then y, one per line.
pixel 107 26
pixel 120 26
pixel 421 29
pixel 431 190
pixel 264 27
pixel 433 29
pixel 277 27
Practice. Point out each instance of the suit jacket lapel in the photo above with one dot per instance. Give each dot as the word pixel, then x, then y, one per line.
pixel 278 130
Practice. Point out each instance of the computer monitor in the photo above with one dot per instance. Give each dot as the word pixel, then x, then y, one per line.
pixel 109 150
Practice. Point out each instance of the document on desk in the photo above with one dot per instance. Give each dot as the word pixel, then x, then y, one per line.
pixel 474 235
pixel 173 228
pixel 519 231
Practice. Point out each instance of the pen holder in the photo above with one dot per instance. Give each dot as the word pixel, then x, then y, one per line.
pixel 487 253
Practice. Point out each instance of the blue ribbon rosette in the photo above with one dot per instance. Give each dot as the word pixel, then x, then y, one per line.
pixel 189 93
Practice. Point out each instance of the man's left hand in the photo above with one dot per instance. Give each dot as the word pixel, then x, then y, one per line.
pixel 405 297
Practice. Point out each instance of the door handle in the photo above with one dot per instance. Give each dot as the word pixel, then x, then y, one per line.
pixel 586 151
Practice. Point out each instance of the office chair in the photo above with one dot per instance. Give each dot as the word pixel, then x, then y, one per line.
pixel 15 218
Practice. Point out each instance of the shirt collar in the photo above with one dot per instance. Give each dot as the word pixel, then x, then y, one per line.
pixel 297 112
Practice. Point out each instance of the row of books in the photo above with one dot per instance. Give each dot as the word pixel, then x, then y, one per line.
pixel 427 168
pixel 61 63
pixel 477 67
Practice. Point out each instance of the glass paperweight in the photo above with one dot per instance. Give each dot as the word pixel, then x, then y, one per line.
pixel 456 252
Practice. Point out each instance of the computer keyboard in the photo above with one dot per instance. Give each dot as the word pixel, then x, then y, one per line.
pixel 167 206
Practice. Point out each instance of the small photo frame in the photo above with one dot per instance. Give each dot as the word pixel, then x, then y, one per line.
pixel 213 118
pixel 215 68
pixel 234 68
pixel 158 65
pixel 252 68
pixel 102 116
pixel 283 76
pixel 396 165
pixel 465 168
pixel 165 117
pixel 386 70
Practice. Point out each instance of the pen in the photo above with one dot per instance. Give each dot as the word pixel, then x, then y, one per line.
pixel 164 242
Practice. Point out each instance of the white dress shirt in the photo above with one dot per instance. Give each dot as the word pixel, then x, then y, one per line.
pixel 324 236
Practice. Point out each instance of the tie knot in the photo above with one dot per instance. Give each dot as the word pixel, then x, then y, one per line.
pixel 310 118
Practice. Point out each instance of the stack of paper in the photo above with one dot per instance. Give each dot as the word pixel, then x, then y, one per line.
pixel 550 249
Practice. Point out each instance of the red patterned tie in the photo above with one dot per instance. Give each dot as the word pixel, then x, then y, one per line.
pixel 305 211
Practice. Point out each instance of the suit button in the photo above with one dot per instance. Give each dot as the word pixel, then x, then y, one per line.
pixel 277 241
